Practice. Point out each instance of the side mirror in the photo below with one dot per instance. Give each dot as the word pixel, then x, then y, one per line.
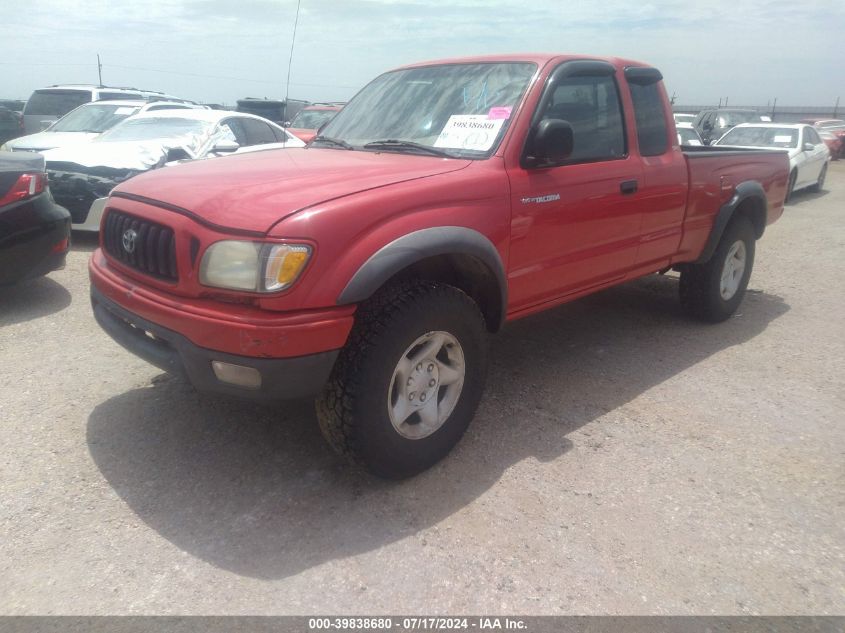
pixel 809 147
pixel 553 143
pixel 225 147
pixel 286 124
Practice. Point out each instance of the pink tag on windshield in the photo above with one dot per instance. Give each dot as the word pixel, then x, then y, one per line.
pixel 500 112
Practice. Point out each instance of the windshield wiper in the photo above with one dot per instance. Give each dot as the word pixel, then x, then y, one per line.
pixel 393 143
pixel 332 141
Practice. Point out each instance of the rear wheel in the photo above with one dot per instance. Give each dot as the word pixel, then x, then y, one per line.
pixel 819 186
pixel 713 291
pixel 409 380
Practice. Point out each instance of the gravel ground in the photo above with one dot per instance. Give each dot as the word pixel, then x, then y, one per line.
pixel 624 460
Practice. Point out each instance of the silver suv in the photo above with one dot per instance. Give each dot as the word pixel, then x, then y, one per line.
pixel 87 121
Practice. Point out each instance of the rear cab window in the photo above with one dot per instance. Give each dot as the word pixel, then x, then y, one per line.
pixel 652 131
pixel 56 103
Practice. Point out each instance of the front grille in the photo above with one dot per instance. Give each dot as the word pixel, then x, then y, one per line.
pixel 151 249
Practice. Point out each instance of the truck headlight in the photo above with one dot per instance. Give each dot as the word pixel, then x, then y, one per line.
pixel 253 266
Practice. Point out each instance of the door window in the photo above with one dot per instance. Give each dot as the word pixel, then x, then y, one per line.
pixel 257 132
pixel 591 106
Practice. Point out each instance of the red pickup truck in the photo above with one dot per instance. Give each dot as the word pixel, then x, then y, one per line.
pixel 444 200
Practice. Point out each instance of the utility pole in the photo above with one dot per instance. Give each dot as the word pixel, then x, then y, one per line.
pixel 836 108
pixel 99 69
pixel 774 105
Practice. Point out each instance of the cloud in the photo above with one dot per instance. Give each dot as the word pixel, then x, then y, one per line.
pixel 746 50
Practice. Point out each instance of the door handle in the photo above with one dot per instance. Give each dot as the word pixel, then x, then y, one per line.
pixel 628 187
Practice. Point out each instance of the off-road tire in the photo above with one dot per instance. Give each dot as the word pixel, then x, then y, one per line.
pixel 353 410
pixel 819 186
pixel 700 283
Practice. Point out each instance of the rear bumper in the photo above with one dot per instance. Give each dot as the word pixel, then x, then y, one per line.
pixel 34 239
pixel 280 378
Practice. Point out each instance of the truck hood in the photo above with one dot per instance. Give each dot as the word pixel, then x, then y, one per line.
pixel 254 191
pixel 48 140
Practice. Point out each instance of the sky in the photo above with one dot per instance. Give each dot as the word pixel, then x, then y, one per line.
pixel 749 52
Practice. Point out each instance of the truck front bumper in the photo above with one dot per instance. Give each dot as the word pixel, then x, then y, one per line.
pixel 210 371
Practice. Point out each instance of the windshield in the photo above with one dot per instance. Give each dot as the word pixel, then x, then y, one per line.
pixel 782 137
pixel 735 118
pixel 188 132
pixel 56 102
pixel 312 119
pixel 462 109
pixel 93 118
pixel 832 125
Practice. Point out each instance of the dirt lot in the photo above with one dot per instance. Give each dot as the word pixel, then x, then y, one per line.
pixel 624 460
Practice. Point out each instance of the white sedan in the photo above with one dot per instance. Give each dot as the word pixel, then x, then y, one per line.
pixel 808 154
pixel 82 176
pixel 687 134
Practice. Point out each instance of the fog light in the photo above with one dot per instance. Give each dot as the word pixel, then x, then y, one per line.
pixel 239 375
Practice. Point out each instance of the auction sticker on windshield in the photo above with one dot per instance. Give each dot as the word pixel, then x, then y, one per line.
pixel 469 131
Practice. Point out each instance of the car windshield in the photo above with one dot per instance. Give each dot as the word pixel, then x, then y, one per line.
pixel 94 117
pixel 781 137
pixel 312 119
pixel 735 118
pixel 55 102
pixel 452 109
pixel 832 125
pixel 189 132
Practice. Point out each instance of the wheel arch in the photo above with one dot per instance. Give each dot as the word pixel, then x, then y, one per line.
pixel 749 200
pixel 459 256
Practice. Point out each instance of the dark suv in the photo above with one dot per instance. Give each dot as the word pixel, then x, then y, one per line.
pixel 713 123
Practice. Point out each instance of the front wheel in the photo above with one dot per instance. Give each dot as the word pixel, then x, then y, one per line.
pixel 408 381
pixel 790 185
pixel 713 291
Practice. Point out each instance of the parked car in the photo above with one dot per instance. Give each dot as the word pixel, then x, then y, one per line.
pixel 445 199
pixel 830 129
pixel 808 155
pixel 15 105
pixel 34 230
pixel 49 104
pixel 88 121
pixel 11 125
pixel 687 134
pixel 81 176
pixel 683 117
pixel 711 124
pixel 311 118
pixel 277 111
pixel 835 144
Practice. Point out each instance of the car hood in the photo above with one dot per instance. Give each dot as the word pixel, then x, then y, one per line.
pixel 48 140
pixel 254 191
pixel 129 155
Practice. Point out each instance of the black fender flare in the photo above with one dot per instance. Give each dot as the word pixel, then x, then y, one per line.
pixel 417 246
pixel 744 191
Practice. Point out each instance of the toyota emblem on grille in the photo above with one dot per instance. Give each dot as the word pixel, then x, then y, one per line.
pixel 129 237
